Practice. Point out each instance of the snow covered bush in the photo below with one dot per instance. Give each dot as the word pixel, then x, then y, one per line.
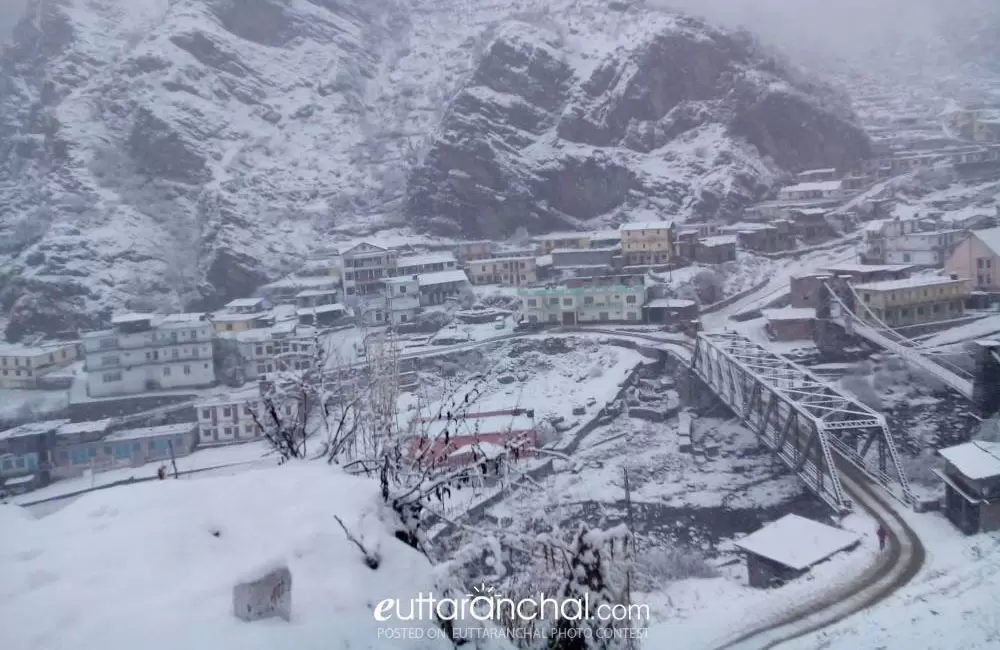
pixel 657 567
pixel 708 286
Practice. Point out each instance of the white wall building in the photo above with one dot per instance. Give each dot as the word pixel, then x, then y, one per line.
pixel 284 346
pixel 228 418
pixel 149 352
pixel 812 190
pixel 403 298
pixel 572 305
pixel 923 248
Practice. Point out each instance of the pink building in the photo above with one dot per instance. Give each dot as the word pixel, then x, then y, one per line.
pixel 485 435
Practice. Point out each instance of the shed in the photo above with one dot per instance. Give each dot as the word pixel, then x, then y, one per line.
pixel 790 323
pixel 787 548
pixel 670 311
pixel 972 485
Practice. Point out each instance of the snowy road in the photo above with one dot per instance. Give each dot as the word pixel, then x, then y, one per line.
pixel 894 568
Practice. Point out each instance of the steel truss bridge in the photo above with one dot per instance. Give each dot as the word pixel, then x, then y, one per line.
pixel 800 417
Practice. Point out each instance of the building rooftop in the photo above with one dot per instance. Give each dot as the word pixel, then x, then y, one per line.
pixel 298 282
pixel 990 238
pixel 472 425
pixel 184 317
pixel 868 268
pixel 151 432
pixel 227 399
pixel 600 288
pixel 31 429
pixel 718 240
pixel 20 350
pixel 816 186
pixel 647 225
pixel 593 249
pixel 320 309
pixel 74 428
pixel 256 335
pixel 797 542
pixel 513 258
pixel 975 460
pixel 315 293
pixel 443 257
pixel 670 303
pixel 556 236
pixel 231 317
pixel 240 303
pixel 915 282
pixel 442 277
pixel 789 313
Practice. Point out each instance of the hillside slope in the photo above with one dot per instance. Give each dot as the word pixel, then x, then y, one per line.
pixel 177 153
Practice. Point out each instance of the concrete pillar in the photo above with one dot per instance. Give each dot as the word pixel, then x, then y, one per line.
pixel 986 384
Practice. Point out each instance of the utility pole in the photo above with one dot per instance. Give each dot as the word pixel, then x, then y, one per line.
pixel 630 643
pixel 173 460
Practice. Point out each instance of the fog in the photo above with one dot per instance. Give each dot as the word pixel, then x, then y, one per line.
pixel 10 13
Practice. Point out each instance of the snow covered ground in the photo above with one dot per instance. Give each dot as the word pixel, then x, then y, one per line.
pixel 153 566
pixel 950 605
pixel 18 403
pixel 985 327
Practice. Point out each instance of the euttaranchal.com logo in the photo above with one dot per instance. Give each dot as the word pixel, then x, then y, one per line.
pixel 486 604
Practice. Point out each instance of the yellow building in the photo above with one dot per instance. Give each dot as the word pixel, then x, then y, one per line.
pixel 912 301
pixel 562 240
pixel 649 243
pixel 511 271
pixel 21 366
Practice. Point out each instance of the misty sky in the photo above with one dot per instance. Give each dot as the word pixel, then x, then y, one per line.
pixel 10 12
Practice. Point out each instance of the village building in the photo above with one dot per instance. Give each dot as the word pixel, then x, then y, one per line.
pixel 402 299
pixel 972 486
pixel 808 291
pixel 788 548
pixel 978 258
pixel 912 301
pixel 286 289
pixel 229 418
pixel 562 241
pixel 328 264
pixel 487 438
pixel 438 287
pixel 473 250
pixel 789 323
pixel 365 266
pixel 325 315
pixel 812 225
pixel 591 261
pixel 832 189
pixel 316 298
pixel 425 263
pixel 517 270
pixel 148 352
pixel 243 314
pixel 715 250
pixel 26 455
pixel 817 175
pixel 125 448
pixel 929 249
pixel 648 243
pixel 762 238
pixel 24 365
pixel 570 305
pixel 671 311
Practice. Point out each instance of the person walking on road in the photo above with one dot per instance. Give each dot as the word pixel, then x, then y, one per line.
pixel 882 535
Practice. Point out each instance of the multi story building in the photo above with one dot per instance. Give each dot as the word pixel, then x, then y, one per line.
pixel 438 286
pixel 812 190
pixel 512 271
pixel 762 238
pixel 426 263
pixel 21 366
pixel 978 258
pixel 912 301
pixel 930 249
pixel 144 352
pixel 229 418
pixel 473 250
pixel 571 305
pixel 649 243
pixel 284 346
pixel 402 299
pixel 365 266
pixel 562 240
pixel 243 314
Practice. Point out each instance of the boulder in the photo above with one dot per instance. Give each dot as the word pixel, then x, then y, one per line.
pixel 265 594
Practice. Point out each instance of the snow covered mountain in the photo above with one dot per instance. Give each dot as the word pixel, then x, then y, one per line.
pixel 168 153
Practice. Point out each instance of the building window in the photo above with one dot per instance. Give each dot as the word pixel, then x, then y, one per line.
pixel 227 411
pixel 567 302
pixel 630 300
pixel 166 371
pixel 92 452
pixel 110 377
pixel 228 431
pixel 588 300
pixel 187 370
pixel 532 302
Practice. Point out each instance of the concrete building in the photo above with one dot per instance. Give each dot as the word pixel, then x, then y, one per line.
pixel 148 352
pixel 648 243
pixel 762 238
pixel 789 323
pixel 267 350
pixel 365 266
pixel 972 486
pixel 715 250
pixel 833 189
pixel 788 548
pixel 978 258
pixel 512 271
pixel 811 225
pixel 437 287
pixel 403 299
pixel 425 263
pixel 23 365
pixel 126 448
pixel 571 305
pixel 228 418
pixel 286 289
pixel 316 298
pixel 321 315
pixel 26 455
pixel 929 249
pixel 912 301
pixel 243 314
pixel 671 311
pixel 562 241
pixel 473 250
pixel 807 290
pixel 570 258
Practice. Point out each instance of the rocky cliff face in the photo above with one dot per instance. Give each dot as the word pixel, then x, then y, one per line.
pixel 673 117
pixel 177 153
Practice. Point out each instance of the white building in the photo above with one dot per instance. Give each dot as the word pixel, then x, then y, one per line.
pixel 922 248
pixel 572 305
pixel 403 298
pixel 285 346
pixel 148 352
pixel 436 287
pixel 228 418
pixel 426 263
pixel 812 190
pixel 817 175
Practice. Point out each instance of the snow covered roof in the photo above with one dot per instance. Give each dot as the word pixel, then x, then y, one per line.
pixel 320 309
pixel 443 257
pixel 131 317
pixel 73 428
pixel 31 429
pixel 797 542
pixel 256 335
pixel 789 313
pixel 975 460
pixel 816 186
pixel 152 432
pixel 556 236
pixel 592 249
pixel 229 317
pixel 915 282
pixel 20 350
pixel 442 277
pixel 670 303
pixel 867 268
pixel 185 317
pixel 241 303
pixel 647 225
pixel 719 240
pixel 313 293
pixel 229 399
pixel 990 238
